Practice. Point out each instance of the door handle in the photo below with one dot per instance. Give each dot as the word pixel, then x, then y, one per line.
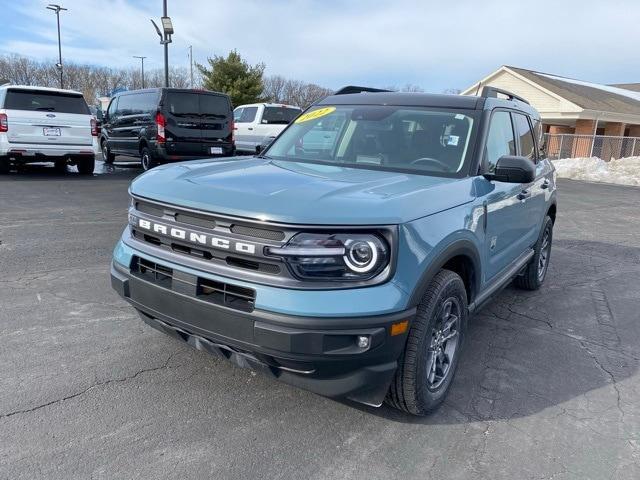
pixel 249 128
pixel 545 184
pixel 524 194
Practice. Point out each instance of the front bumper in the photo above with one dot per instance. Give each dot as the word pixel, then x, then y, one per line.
pixel 314 353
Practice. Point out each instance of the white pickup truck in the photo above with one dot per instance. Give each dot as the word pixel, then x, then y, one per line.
pixel 257 123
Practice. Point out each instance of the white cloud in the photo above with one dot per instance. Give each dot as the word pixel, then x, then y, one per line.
pixel 432 43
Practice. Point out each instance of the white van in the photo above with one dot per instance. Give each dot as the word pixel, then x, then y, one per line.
pixel 257 124
pixel 39 124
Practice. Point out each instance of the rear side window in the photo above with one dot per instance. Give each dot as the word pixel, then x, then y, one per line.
pixel 142 103
pixel 500 140
pixel 196 104
pixel 248 115
pixel 279 115
pixel 523 131
pixel 43 101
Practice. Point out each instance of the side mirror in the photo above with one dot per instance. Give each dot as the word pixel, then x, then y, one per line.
pixel 513 169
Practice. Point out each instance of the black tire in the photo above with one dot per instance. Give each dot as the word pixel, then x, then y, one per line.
pixel 60 166
pixel 107 156
pixel 4 166
pixel 535 272
pixel 416 388
pixel 147 160
pixel 86 166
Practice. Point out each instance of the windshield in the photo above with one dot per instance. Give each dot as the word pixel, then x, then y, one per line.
pixel 413 139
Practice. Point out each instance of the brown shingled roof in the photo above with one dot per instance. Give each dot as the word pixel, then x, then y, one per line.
pixel 635 87
pixel 587 97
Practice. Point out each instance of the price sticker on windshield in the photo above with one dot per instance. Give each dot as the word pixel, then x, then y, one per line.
pixel 321 112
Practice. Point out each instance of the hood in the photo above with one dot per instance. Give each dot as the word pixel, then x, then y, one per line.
pixel 301 193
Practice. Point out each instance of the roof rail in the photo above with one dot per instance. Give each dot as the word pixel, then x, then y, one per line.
pixel 354 89
pixel 492 92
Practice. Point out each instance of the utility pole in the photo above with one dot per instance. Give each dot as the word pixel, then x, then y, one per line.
pixel 165 40
pixel 191 63
pixel 141 66
pixel 57 9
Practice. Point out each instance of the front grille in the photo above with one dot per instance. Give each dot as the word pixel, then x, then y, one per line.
pixel 258 232
pixel 208 254
pixel 219 293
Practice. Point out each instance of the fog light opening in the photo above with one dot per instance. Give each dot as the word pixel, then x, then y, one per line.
pixel 363 341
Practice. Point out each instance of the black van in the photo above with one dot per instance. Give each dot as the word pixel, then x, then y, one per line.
pixel 163 125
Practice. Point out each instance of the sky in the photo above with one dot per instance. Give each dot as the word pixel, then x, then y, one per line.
pixel 436 45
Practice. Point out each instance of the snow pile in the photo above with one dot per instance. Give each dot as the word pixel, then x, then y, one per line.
pixel 624 171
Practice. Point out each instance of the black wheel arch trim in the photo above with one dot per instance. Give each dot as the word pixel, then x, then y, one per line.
pixel 461 247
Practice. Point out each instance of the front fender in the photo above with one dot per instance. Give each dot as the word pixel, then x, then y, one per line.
pixel 426 244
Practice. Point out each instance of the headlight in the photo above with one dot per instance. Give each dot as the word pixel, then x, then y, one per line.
pixel 335 256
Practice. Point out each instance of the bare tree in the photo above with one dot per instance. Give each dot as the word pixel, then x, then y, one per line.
pixel 278 89
pixel 93 81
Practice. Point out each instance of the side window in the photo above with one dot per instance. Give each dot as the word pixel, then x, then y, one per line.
pixel 111 111
pixel 148 103
pixel 248 115
pixel 500 140
pixel 537 133
pixel 525 135
pixel 237 114
pixel 136 102
pixel 124 105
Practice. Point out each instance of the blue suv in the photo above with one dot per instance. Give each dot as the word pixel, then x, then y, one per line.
pixel 347 257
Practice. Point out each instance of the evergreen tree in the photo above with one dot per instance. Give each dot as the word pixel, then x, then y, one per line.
pixel 235 77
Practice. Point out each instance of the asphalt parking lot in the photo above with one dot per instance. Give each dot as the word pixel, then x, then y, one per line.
pixel 548 386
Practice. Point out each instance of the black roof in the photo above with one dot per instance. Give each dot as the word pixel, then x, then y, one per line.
pixel 404 100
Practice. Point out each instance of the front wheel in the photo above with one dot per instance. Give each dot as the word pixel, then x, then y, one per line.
pixel 428 365
pixel 147 160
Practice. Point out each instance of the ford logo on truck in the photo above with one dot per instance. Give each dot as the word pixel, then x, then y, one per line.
pixel 192 236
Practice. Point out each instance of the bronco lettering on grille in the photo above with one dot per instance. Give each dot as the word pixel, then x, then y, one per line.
pixel 192 236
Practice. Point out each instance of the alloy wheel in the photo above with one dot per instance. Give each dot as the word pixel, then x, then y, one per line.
pixel 545 250
pixel 444 343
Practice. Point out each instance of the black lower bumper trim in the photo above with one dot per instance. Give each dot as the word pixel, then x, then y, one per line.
pixel 317 354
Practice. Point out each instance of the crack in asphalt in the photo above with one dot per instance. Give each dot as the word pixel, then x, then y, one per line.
pixel 608 372
pixel 165 365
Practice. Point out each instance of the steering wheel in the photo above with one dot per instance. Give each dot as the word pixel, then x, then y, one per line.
pixel 442 165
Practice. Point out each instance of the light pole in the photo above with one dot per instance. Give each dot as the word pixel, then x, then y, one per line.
pixel 191 63
pixel 57 9
pixel 167 30
pixel 141 66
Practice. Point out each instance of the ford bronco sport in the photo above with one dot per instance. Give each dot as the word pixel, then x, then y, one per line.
pixel 347 257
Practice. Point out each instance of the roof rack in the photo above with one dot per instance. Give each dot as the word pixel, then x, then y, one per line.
pixel 354 89
pixel 493 92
